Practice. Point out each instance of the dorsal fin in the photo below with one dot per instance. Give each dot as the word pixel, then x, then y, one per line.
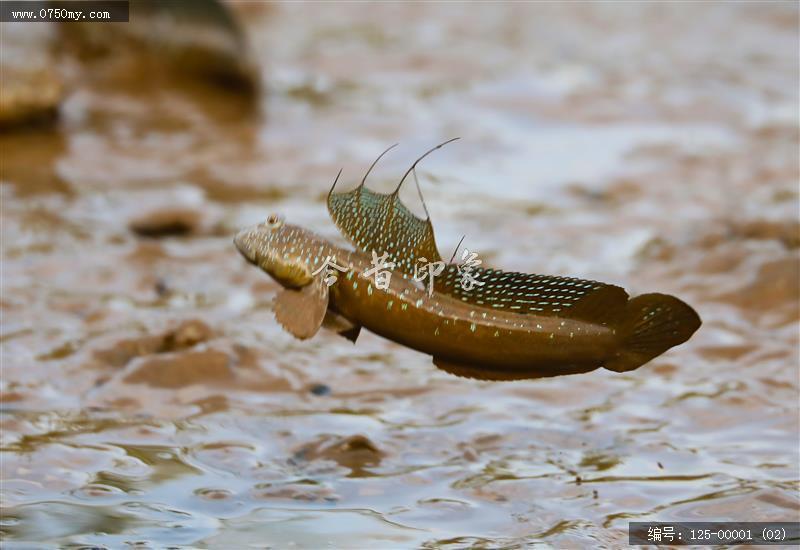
pixel 382 223
pixel 537 294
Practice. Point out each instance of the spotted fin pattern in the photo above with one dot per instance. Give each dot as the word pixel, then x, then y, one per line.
pixel 654 323
pixel 536 294
pixel 381 223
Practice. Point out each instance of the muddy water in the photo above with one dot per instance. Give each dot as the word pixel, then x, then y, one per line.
pixel 150 398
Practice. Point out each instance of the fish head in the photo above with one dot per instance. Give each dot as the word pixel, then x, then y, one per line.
pixel 279 249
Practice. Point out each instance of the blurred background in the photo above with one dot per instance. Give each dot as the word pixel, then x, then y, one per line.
pixel 148 396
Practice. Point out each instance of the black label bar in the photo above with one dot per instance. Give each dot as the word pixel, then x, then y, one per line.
pixel 701 533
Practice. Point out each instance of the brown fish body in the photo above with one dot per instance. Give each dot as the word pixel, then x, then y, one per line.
pixel 498 344
pixel 507 326
pixel 463 338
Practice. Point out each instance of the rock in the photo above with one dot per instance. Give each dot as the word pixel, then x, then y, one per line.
pixel 320 389
pixel 787 232
pixel 121 353
pixel 166 222
pixel 188 334
pixel 182 369
pixel 31 88
pixel 200 39
pixel 776 286
pixel 354 452
pixel 29 96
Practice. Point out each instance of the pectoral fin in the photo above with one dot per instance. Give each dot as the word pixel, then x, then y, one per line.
pixel 302 311
pixel 341 326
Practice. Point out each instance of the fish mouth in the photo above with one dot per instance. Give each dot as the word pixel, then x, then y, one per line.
pixel 243 241
pixel 289 273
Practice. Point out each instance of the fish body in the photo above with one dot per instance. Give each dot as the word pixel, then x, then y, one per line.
pixel 464 339
pixel 512 326
pixel 460 334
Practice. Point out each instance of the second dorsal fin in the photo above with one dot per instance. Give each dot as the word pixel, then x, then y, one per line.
pixel 528 293
pixel 381 223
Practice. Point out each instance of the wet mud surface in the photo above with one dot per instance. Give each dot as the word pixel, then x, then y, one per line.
pixel 149 397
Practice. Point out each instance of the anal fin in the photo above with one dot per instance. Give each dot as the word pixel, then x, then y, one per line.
pixel 499 373
pixel 464 370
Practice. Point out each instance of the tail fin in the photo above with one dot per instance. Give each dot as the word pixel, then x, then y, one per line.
pixel 654 323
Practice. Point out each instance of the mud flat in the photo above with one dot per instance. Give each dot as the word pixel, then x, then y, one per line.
pixel 148 395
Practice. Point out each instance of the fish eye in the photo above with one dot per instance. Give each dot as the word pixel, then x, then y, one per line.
pixel 274 221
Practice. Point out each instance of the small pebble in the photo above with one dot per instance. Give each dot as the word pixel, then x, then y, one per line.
pixel 320 389
pixel 161 287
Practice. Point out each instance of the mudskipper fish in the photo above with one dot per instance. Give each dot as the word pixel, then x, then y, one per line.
pixel 509 326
